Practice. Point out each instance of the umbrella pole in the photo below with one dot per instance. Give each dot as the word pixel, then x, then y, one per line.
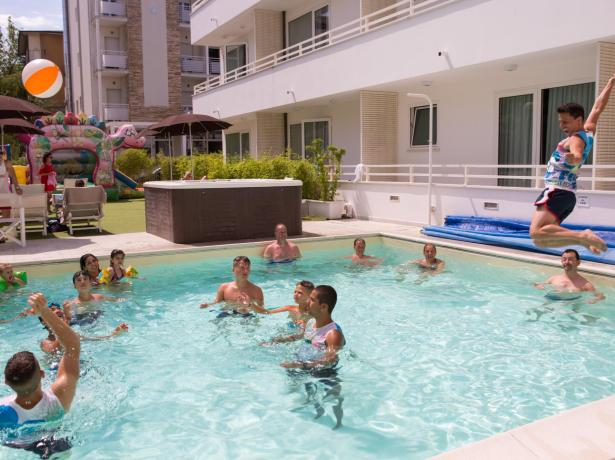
pixel 2 145
pixel 170 157
pixel 191 156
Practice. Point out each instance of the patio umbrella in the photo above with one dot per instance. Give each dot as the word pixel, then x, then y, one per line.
pixel 17 126
pixel 11 107
pixel 188 123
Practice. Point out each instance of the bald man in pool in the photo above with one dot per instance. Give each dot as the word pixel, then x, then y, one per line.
pixel 281 250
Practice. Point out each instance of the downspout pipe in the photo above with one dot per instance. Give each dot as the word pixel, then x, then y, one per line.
pixel 68 71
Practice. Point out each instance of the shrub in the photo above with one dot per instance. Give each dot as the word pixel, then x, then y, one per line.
pixel 135 163
pixel 328 163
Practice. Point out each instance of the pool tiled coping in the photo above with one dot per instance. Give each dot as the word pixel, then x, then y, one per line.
pixel 585 432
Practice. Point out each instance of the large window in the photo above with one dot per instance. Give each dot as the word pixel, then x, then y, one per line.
pixel 515 138
pixel 419 126
pixel 302 134
pixel 210 142
pixel 237 146
pixel 236 57
pixel 307 26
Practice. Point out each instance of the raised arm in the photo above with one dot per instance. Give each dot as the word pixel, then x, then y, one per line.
pixel 599 106
pixel 68 372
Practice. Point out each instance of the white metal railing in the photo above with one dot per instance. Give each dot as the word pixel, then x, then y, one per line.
pixel 521 176
pixel 115 112
pixel 384 17
pixel 193 64
pixel 114 59
pixel 112 8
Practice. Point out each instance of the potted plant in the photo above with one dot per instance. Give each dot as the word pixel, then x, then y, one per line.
pixel 328 164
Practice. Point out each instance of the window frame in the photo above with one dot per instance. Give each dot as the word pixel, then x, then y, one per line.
pixel 302 123
pixel 226 71
pixel 242 148
pixel 303 12
pixel 412 123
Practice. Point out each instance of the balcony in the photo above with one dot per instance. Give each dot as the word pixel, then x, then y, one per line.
pixel 113 9
pixel 114 60
pixel 193 64
pixel 116 112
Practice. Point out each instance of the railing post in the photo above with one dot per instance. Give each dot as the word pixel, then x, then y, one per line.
pixel 593 177
pixel 537 177
pixel 411 174
pixel 466 179
pixel 367 177
pixel 411 8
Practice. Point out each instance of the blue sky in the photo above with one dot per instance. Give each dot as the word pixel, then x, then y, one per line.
pixel 32 14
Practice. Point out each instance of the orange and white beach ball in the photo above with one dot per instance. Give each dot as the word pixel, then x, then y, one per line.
pixel 41 78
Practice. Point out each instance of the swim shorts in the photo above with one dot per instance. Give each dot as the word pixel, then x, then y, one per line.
pixel 45 447
pixel 559 202
pixel 82 319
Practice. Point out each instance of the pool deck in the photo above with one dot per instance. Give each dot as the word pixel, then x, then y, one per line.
pixel 585 432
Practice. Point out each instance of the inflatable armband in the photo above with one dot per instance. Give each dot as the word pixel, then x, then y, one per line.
pixel 131 272
pixel 105 276
pixel 23 276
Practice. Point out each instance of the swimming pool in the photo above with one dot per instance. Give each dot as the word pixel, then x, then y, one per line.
pixel 432 363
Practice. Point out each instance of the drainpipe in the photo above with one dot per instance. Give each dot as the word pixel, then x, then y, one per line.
pixel 428 99
pixel 68 78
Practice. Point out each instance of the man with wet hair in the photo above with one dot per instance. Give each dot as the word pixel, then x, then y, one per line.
pixel 31 404
pixel 359 257
pixel 241 292
pixel 281 250
pixel 558 199
pixel 571 281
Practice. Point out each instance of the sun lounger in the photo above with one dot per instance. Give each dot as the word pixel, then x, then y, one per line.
pixel 10 225
pixel 84 205
pixel 34 202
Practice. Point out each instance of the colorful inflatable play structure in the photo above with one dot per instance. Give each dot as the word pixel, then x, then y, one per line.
pixel 81 148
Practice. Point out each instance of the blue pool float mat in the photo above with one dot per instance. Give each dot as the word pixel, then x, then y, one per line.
pixel 514 234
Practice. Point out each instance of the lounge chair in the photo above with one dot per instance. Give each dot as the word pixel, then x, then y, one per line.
pixel 84 204
pixel 16 220
pixel 34 202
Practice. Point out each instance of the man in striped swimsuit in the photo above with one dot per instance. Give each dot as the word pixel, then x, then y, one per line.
pixel 558 199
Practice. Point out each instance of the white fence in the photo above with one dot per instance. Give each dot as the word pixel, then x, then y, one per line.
pixel 386 16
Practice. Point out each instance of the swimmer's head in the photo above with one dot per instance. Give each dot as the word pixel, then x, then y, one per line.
pixel 118 256
pixel 281 232
pixel 81 279
pixel 322 296
pixel 241 266
pixel 570 259
pixel 89 263
pixel 23 373
pixel 59 313
pixel 571 117
pixel 6 272
pixel 241 259
pixel 429 251
pixel 79 183
pixel 302 292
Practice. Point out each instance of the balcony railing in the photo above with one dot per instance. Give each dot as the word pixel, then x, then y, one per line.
pixel 384 17
pixel 214 66
pixel 199 3
pixel 114 60
pixel 193 64
pixel 591 177
pixel 112 8
pixel 116 112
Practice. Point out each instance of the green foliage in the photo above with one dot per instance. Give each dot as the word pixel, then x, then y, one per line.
pixel 268 167
pixel 10 60
pixel 328 163
pixel 135 163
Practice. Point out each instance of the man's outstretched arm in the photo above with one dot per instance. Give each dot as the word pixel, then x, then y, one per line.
pixel 601 102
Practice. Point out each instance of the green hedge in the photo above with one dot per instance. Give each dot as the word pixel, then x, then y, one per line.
pixel 135 163
pixel 268 167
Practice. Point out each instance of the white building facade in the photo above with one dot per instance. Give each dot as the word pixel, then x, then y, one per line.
pixel 341 70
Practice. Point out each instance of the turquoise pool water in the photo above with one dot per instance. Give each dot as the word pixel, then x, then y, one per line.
pixel 432 363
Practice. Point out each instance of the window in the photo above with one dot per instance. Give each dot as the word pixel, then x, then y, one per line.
pixel 213 59
pixel 235 58
pixel 302 134
pixel 515 120
pixel 210 142
pixel 419 126
pixel 307 26
pixel 237 146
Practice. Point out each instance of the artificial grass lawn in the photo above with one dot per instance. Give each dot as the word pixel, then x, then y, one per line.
pixel 124 216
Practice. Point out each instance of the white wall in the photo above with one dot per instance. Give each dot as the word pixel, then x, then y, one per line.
pixel 222 11
pixel 343 11
pixel 492 30
pixel 372 201
pixel 155 63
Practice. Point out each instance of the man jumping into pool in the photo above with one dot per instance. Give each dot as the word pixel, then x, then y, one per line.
pixel 31 404
pixel 571 280
pixel 281 250
pixel 558 199
pixel 241 292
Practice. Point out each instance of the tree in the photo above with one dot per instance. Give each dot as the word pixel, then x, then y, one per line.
pixel 10 60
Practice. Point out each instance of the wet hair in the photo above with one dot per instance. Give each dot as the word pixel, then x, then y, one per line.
pixel 430 244
pixel 79 273
pixel 354 245
pixel 117 252
pixel 20 369
pixel 59 313
pixel 573 109
pixel 306 284
pixel 327 295
pixel 79 183
pixel 572 251
pixel 84 258
pixel 239 259
pixel 47 155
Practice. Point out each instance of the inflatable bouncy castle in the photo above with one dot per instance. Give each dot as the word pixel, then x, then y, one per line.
pixel 81 148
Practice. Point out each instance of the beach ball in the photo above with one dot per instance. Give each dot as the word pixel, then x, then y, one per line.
pixel 41 78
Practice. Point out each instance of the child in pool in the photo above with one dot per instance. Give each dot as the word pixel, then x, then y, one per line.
pixel 82 283
pixel 116 271
pixel 8 275
pixel 297 313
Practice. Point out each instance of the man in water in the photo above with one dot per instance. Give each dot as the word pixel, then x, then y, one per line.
pixel 571 280
pixel 281 250
pixel 429 261
pixel 359 256
pixel 558 199
pixel 31 403
pixel 241 292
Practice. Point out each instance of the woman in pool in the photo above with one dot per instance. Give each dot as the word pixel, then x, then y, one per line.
pixel 115 271
pixel 89 264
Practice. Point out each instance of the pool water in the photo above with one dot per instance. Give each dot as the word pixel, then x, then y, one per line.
pixel 431 362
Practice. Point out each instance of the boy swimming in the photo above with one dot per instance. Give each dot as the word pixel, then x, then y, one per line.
pixel 298 313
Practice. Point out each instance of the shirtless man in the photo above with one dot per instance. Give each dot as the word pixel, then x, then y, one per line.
pixel 558 199
pixel 241 292
pixel 281 249
pixel 359 256
pixel 571 280
pixel 430 262
pixel 83 284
